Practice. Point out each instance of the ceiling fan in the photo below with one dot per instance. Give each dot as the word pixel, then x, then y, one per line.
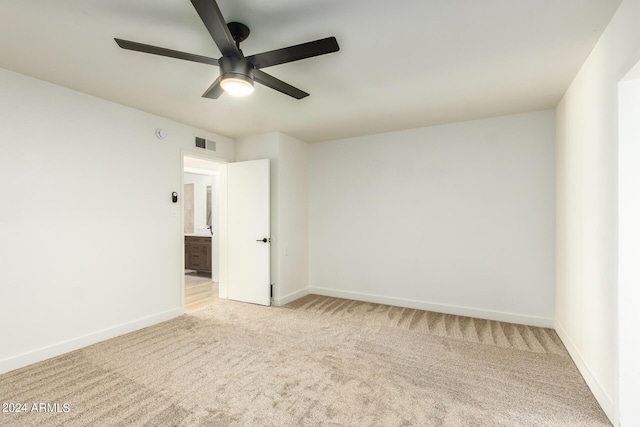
pixel 238 72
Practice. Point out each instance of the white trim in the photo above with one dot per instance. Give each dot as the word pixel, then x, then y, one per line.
pixel 291 297
pixel 223 240
pixel 500 316
pixel 44 353
pixel 598 392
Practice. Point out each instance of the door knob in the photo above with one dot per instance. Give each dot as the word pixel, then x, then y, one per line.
pixel 265 240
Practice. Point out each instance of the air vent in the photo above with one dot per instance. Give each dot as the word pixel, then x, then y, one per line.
pixel 207 144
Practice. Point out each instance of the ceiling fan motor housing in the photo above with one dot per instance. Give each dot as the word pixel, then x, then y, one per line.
pixel 238 68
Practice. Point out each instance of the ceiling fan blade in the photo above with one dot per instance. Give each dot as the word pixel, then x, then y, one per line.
pixel 214 91
pixel 155 50
pixel 270 81
pixel 214 21
pixel 295 53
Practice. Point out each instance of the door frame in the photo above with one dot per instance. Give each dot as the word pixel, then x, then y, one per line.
pixel 222 224
pixel 627 380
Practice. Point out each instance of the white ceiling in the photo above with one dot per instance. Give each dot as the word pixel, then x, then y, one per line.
pixel 402 64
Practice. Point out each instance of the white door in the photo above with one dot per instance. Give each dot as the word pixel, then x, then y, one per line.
pixel 248 225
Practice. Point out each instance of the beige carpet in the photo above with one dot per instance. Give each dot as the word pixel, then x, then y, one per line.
pixel 318 361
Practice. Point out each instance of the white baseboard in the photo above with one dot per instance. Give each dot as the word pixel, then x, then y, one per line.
pixel 500 316
pixel 291 297
pixel 44 353
pixel 594 385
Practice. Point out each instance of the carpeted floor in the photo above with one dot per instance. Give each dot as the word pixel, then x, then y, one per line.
pixel 317 361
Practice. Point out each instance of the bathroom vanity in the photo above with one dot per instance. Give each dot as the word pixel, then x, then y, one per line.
pixel 197 253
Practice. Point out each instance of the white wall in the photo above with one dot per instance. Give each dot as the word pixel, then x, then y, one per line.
pixel 293 218
pixel 289 213
pixel 85 259
pixel 456 218
pixel 587 133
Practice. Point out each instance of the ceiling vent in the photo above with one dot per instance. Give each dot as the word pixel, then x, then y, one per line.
pixel 206 144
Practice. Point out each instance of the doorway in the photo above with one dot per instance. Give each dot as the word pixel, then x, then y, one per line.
pixel 201 231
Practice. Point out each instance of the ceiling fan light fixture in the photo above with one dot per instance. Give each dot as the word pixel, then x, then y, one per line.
pixel 236 76
pixel 237 86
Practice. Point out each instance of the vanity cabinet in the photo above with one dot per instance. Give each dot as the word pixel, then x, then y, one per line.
pixel 197 253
